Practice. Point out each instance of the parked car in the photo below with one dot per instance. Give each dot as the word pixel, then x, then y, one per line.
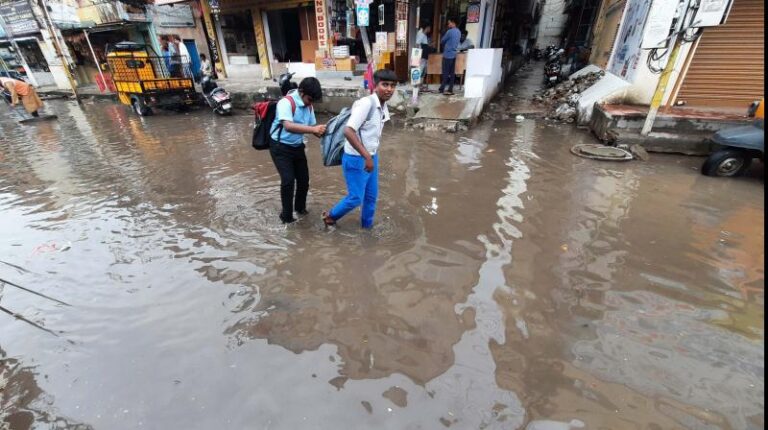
pixel 738 146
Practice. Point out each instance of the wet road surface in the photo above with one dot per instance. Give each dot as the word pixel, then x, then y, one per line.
pixel 505 284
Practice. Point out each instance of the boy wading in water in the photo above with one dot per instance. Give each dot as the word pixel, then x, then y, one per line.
pixel 360 162
pixel 294 117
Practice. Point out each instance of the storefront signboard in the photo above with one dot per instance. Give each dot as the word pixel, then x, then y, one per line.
pixel 322 25
pixel 19 17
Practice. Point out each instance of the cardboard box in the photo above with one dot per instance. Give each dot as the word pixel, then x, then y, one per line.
pixel 325 63
pixel 345 64
pixel 308 48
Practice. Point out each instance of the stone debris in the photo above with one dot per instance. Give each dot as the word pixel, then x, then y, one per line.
pixel 561 100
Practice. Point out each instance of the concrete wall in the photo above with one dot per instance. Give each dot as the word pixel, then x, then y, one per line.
pixel 552 23
pixel 483 75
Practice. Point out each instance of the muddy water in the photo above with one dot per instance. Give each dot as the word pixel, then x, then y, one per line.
pixel 506 284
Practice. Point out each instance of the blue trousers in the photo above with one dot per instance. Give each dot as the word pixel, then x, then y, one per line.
pixel 362 189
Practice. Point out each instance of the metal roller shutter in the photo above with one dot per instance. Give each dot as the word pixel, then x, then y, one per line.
pixel 728 67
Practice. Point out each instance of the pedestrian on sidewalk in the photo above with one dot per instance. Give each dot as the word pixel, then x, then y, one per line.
pixel 360 162
pixel 294 117
pixel 24 92
pixel 423 42
pixel 450 42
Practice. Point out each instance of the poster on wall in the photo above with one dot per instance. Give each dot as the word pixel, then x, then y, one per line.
pixel 627 52
pixel 363 13
pixel 381 14
pixel 473 13
pixel 402 30
pixel 381 41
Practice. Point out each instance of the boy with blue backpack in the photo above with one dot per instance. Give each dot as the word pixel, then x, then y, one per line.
pixel 360 161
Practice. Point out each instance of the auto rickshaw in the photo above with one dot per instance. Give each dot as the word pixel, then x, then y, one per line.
pixel 737 147
pixel 145 80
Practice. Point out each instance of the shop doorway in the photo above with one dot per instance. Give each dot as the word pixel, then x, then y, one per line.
pixel 30 50
pixel 285 33
pixel 194 57
pixel 239 38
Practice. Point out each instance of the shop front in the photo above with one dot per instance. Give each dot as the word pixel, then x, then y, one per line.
pixel 102 25
pixel 182 19
pixel 21 43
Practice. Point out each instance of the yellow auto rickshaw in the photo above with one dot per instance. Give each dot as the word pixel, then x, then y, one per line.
pixel 145 80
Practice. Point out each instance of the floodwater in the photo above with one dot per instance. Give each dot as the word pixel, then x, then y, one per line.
pixel 507 284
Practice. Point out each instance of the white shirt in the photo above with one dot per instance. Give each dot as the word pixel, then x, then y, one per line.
pixel 369 131
pixel 421 39
pixel 184 52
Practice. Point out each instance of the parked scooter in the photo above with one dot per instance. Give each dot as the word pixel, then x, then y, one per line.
pixel 737 147
pixel 217 98
pixel 552 73
pixel 286 84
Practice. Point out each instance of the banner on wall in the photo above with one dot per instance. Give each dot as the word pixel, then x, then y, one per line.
pixel 627 51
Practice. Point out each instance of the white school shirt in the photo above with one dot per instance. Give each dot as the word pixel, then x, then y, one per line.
pixel 369 131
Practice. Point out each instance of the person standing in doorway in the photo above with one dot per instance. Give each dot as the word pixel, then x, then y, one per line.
pixel 174 58
pixel 294 118
pixel 423 42
pixel 450 42
pixel 360 162
pixel 206 68
pixel 24 92
pixel 184 57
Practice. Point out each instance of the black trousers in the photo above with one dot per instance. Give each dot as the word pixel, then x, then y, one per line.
pixel 291 164
pixel 449 74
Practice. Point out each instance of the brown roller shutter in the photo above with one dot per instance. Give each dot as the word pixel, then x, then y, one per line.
pixel 728 67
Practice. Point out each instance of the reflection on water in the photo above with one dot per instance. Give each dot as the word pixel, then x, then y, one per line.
pixel 506 283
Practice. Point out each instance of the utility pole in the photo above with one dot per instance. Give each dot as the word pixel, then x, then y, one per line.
pixel 59 52
pixel 658 97
pixel 12 39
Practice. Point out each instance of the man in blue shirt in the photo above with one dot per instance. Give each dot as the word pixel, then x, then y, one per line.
pixel 450 42
pixel 294 117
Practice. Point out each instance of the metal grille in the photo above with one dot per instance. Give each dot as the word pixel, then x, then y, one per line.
pixel 727 69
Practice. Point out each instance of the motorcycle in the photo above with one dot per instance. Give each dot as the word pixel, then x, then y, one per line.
pixel 552 73
pixel 737 147
pixel 216 97
pixel 286 84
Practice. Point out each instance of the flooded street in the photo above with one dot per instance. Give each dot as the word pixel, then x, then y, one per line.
pixel 506 283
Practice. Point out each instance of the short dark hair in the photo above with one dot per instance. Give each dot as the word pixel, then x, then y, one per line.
pixel 453 20
pixel 311 87
pixel 203 56
pixel 384 75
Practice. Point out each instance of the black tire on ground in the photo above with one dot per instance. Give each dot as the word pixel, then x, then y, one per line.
pixel 727 163
pixel 140 108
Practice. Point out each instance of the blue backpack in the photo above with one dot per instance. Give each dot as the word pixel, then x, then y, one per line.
pixel 332 142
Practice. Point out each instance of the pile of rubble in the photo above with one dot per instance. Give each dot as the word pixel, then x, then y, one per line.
pixel 561 100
